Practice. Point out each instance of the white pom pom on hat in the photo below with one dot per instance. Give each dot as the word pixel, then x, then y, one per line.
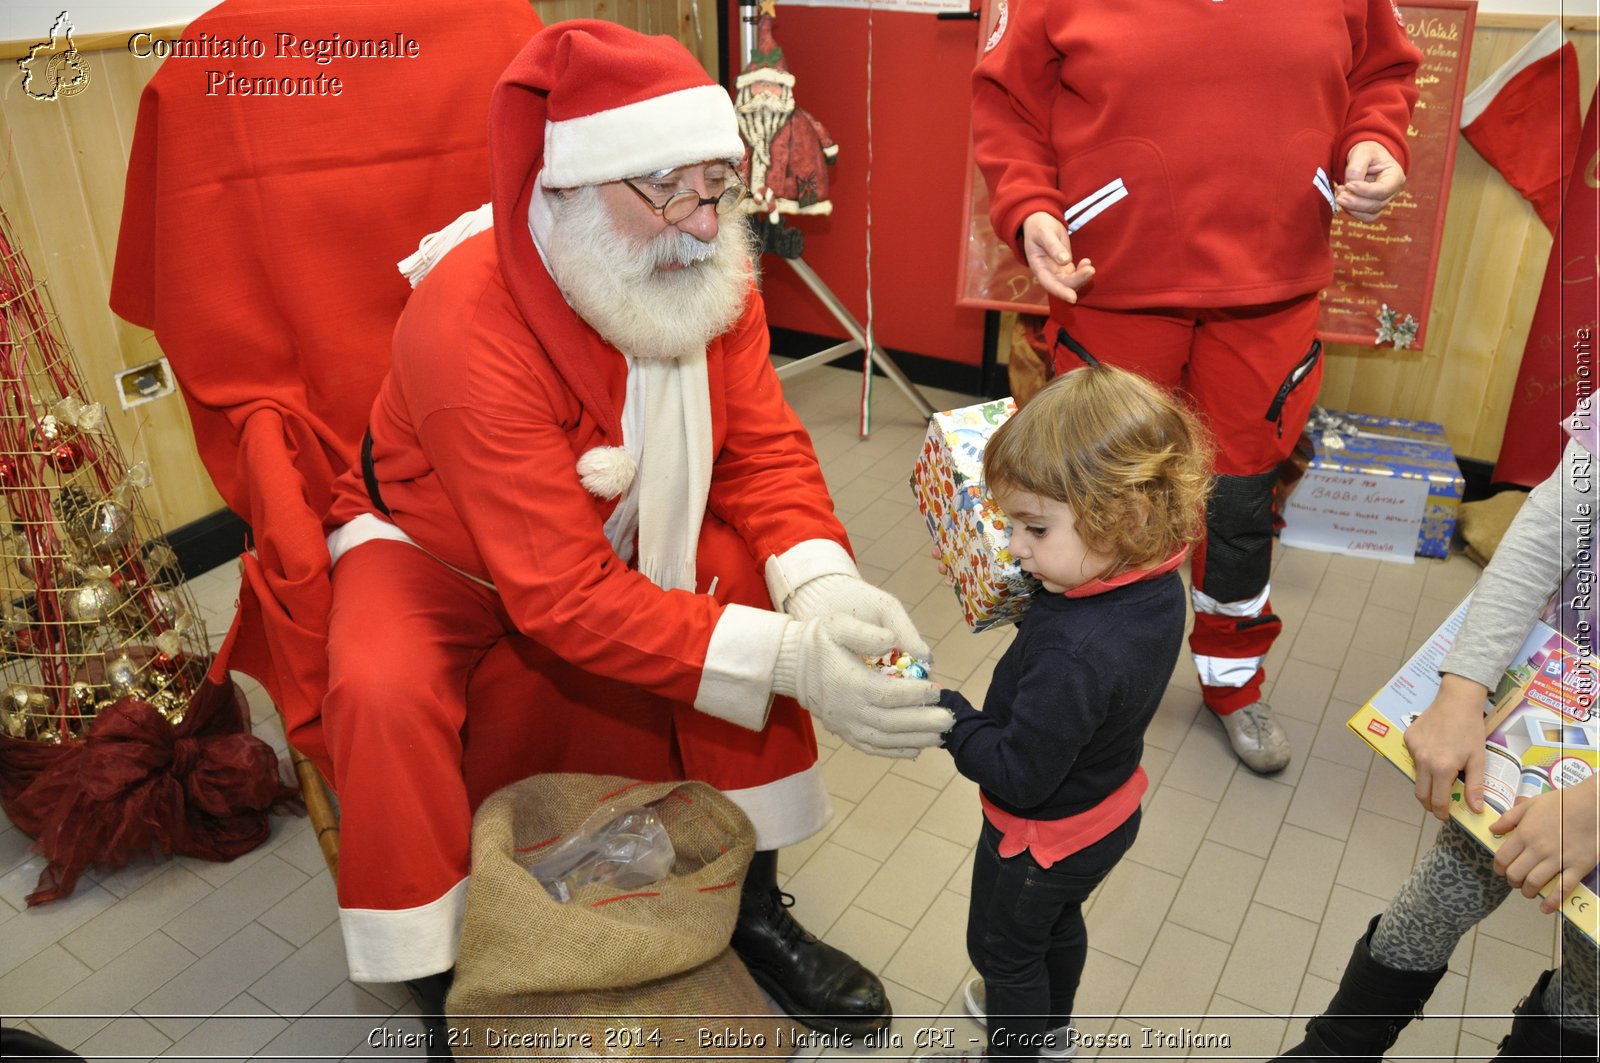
pixel 606 472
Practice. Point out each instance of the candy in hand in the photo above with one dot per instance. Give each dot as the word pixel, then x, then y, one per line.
pixel 898 664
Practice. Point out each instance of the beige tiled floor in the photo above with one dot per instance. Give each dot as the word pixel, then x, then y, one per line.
pixel 1236 908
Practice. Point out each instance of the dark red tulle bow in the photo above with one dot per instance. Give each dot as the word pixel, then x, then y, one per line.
pixel 136 786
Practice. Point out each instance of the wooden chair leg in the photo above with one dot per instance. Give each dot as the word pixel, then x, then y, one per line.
pixel 319 807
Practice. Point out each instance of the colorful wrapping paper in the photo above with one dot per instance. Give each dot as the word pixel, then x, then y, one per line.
pixel 1392 446
pixel 970 531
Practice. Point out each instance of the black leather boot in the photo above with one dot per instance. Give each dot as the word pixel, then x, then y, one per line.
pixel 815 983
pixel 429 992
pixel 1373 1004
pixel 1536 1034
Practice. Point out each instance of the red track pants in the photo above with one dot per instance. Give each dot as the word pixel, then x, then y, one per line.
pixel 1252 373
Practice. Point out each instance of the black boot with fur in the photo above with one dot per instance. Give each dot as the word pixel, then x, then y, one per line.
pixel 1536 1034
pixel 1373 1004
pixel 813 982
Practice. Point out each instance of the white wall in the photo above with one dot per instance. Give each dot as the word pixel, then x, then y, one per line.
pixel 24 20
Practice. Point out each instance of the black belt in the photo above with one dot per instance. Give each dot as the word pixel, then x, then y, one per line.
pixel 369 475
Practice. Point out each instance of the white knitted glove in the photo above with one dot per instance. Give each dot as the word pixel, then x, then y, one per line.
pixel 820 665
pixel 836 592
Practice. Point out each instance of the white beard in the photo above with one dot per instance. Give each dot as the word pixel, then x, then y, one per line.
pixel 760 116
pixel 617 285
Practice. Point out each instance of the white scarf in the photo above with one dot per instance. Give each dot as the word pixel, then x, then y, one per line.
pixel 674 467
pixel 673 458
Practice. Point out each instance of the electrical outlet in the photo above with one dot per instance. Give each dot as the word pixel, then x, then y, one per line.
pixel 145 383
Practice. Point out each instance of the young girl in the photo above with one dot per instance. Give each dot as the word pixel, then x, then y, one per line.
pixel 1553 838
pixel 1104 477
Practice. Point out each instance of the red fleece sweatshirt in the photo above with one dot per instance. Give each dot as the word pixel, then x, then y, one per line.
pixel 1185 136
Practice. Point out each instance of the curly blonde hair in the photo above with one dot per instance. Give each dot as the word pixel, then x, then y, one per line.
pixel 1131 461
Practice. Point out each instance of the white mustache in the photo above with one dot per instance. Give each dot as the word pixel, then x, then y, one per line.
pixel 680 249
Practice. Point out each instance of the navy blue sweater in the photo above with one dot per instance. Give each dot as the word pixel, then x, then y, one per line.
pixel 1063 724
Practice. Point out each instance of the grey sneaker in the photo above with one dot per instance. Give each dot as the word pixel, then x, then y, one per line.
pixel 1257 739
pixel 1060 1048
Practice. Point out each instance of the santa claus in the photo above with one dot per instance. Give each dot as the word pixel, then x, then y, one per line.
pixel 582 444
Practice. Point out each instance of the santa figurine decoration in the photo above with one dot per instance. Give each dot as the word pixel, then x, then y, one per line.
pixel 786 167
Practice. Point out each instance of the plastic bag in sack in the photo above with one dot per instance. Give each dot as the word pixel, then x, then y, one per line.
pixel 624 846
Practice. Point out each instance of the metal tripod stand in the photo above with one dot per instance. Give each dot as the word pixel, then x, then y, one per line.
pixel 786 243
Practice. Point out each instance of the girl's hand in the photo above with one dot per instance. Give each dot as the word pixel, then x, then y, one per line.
pixel 1445 739
pixel 944 569
pixel 1554 837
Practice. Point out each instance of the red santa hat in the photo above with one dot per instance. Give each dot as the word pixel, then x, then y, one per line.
pixel 1524 120
pixel 767 63
pixel 620 104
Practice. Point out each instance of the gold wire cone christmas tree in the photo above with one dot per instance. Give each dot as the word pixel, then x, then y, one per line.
pixel 93 607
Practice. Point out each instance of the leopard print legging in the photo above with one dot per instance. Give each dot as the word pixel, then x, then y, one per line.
pixel 1453 887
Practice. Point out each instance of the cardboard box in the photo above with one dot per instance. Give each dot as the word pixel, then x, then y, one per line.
pixel 1336 442
pixel 969 530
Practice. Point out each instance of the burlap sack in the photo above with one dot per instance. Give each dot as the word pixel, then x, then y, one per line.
pixel 1484 523
pixel 644 972
pixel 1028 366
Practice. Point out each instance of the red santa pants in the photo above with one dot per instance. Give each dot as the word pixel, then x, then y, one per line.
pixel 1252 373
pixel 432 705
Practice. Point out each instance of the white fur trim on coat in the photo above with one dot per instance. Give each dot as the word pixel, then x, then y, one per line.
pixel 607 472
pixel 736 682
pixel 802 563
pixel 393 945
pixel 785 811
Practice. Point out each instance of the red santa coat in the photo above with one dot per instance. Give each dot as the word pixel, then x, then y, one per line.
pixel 1184 140
pixel 802 150
pixel 476 435
pixel 496 389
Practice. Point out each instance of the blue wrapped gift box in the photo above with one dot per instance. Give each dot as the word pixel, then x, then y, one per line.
pixel 1337 441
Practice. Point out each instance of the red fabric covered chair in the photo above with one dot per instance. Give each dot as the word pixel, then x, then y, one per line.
pixel 268 200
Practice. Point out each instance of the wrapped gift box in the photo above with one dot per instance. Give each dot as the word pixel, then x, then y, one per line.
pixel 969 530
pixel 1341 442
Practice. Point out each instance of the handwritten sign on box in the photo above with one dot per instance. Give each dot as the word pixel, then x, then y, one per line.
pixel 1355 514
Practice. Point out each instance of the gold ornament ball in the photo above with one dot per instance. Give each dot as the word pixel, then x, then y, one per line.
pixel 93 602
pixel 122 675
pixel 14 712
pixel 164 606
pixel 172 704
pixel 84 698
pixel 26 712
pixel 107 527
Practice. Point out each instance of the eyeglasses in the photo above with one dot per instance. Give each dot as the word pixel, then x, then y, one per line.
pixel 684 202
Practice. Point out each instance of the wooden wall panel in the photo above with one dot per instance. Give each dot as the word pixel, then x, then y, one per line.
pixel 62 189
pixel 1491 264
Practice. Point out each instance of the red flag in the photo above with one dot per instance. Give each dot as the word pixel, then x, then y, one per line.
pixel 1558 363
pixel 1524 120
